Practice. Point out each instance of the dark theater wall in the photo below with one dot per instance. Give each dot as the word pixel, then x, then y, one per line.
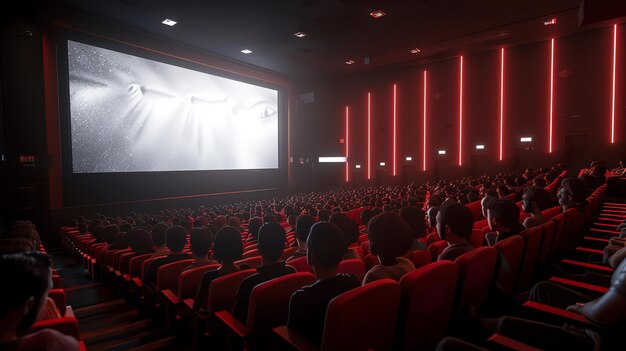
pixel 581 119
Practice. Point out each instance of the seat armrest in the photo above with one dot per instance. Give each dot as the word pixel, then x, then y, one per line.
pixel 581 285
pixel 294 339
pixel 232 323
pixel 508 343
pixel 171 297
pixel 58 296
pixel 65 325
pixel 588 250
pixel 138 282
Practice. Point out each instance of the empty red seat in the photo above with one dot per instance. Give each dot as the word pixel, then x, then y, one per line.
pixel 426 307
pixel 476 270
pixel 420 258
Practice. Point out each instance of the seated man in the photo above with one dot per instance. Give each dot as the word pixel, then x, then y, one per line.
pixel 534 201
pixel 200 240
pixel 303 226
pixel 350 231
pixel 175 238
pixel 308 305
pixel 22 303
pixel 271 239
pixel 573 193
pixel 503 220
pixel 454 224
pixel 390 239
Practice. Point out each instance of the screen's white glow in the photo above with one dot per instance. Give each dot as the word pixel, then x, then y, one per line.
pixel 332 159
pixel 131 114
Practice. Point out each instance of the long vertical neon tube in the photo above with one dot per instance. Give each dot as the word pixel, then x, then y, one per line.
pixel 613 88
pixel 394 128
pixel 347 144
pixel 551 92
pixel 501 100
pixel 461 112
pixel 424 130
pixel 369 135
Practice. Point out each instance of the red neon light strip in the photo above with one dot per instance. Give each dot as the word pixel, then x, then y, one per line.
pixel 613 99
pixel 461 113
pixel 369 136
pixel 501 99
pixel 394 129
pixel 347 144
pixel 551 92
pixel 424 137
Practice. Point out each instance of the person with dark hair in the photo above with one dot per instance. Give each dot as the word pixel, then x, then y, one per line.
pixel 308 305
pixel 390 239
pixel 485 202
pixel 254 225
pixel 226 250
pixel 539 182
pixel 414 217
pixel 503 220
pixel 271 244
pixel 323 215
pixel 175 239
pixel 158 239
pixel 573 194
pixel 454 225
pixel 534 201
pixel 350 231
pixel 139 241
pixel 200 240
pixel 114 236
pixel 25 230
pixel 22 303
pixel 366 215
pixel 303 226
pixel 431 216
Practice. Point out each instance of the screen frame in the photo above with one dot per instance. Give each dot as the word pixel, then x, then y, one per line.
pixel 75 185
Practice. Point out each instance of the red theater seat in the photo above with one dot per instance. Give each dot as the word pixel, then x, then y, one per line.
pixel 476 270
pixel 352 266
pixel 426 307
pixel 510 255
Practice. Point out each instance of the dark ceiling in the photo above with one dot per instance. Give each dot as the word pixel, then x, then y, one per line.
pixel 339 30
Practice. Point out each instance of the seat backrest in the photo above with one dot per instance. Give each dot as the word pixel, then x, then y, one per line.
pixel 189 280
pixel 108 257
pixel 288 252
pixel 366 314
pixel 532 243
pixel 523 216
pixel 167 275
pixel 480 224
pixel 560 222
pixel 476 209
pixel 477 238
pixel 252 262
pixel 435 249
pixel 252 253
pixel 432 237
pixel 510 254
pixel 551 212
pixel 365 247
pixel 116 257
pixel 300 264
pixel 144 267
pixel 269 301
pixel 136 263
pixel 426 307
pixel 222 290
pixel 420 258
pixel 573 226
pixel 352 266
pixel 370 261
pixel 547 236
pixel 475 277
pixel 124 260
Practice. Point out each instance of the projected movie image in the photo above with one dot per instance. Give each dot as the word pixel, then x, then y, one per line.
pixel 131 114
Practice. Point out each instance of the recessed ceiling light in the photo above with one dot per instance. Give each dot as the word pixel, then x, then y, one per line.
pixel 169 22
pixel 415 51
pixel 480 147
pixel 409 158
pixel 526 139
pixel 441 152
pixel 382 164
pixel 246 51
pixel 350 62
pixel 300 34
pixel 357 166
pixel 550 22
pixel 377 14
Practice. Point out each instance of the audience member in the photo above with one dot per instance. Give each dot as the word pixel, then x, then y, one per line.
pixel 271 244
pixel 200 240
pixel 175 238
pixel 454 225
pixel 534 201
pixel 390 239
pixel 308 305
pixel 303 226
pixel 503 220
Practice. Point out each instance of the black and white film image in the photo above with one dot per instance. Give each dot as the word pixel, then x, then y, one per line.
pixel 131 114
